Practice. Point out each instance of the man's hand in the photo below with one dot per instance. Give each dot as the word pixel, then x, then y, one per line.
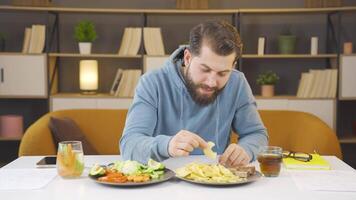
pixel 234 156
pixel 185 142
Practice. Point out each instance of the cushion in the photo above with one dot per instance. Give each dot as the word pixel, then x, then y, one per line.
pixel 65 129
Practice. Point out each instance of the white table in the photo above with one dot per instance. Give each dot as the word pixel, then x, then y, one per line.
pixel 281 187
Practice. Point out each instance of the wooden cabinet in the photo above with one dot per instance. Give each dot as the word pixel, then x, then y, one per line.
pixel 23 76
pixel 347 81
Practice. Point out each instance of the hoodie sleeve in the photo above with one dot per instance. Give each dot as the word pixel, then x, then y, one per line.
pixel 247 121
pixel 138 142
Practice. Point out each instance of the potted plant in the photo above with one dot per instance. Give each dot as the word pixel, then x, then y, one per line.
pixel 85 34
pixel 2 42
pixel 286 42
pixel 267 80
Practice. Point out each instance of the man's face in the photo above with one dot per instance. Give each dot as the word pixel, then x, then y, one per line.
pixel 206 74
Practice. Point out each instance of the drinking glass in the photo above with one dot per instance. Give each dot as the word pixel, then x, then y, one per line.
pixel 70 159
pixel 270 159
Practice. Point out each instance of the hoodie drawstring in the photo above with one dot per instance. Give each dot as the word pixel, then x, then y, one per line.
pixel 217 123
pixel 181 109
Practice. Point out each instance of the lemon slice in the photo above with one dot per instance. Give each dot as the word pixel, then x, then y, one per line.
pixel 208 152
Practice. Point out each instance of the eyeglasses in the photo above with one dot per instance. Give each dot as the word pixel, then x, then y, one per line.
pixel 304 157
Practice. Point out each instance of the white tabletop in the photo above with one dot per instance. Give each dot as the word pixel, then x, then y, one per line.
pixel 281 187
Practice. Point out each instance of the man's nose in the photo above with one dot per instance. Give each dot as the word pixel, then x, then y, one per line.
pixel 212 81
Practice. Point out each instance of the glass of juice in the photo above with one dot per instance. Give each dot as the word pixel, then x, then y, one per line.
pixel 70 159
pixel 270 159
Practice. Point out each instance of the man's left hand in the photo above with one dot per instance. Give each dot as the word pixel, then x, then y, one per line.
pixel 234 156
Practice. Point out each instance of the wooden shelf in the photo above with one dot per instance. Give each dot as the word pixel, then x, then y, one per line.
pixel 19 53
pixel 79 95
pixel 297 10
pixel 178 11
pixel 10 138
pixel 290 97
pixel 117 10
pixel 347 98
pixel 77 55
pixel 348 140
pixel 284 56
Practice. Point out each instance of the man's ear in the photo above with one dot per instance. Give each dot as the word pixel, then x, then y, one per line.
pixel 187 57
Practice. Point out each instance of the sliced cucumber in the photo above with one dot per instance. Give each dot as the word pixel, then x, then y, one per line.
pixel 97 171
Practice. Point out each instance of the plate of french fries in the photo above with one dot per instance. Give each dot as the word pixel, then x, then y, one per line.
pixel 216 174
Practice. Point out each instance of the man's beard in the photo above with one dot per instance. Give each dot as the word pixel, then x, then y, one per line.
pixel 193 88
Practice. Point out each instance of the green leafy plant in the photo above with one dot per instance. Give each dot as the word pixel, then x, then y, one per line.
pixel 85 31
pixel 267 78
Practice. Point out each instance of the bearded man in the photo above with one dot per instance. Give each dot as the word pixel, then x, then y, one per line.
pixel 197 96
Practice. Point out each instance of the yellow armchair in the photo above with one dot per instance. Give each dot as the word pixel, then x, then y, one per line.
pixel 102 128
pixel 300 131
pixel 291 130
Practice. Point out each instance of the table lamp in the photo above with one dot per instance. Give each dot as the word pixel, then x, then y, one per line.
pixel 88 76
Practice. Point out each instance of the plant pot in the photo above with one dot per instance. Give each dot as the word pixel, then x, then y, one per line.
pixel 84 47
pixel 267 90
pixel 286 44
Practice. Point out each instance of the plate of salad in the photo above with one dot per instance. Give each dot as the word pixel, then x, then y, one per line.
pixel 130 173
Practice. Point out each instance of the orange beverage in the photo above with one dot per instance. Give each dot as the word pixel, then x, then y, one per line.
pixel 70 159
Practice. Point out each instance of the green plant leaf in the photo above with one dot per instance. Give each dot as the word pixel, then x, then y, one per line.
pixel 84 31
pixel 267 78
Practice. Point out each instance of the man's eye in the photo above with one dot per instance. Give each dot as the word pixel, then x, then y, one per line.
pixel 222 74
pixel 205 70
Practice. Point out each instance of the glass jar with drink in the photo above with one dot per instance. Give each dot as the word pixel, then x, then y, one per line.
pixel 70 159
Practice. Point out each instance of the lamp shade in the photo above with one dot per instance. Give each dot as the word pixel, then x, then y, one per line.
pixel 88 75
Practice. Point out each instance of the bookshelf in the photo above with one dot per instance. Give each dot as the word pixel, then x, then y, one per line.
pixel 286 56
pixel 58 99
pixel 290 97
pixel 95 55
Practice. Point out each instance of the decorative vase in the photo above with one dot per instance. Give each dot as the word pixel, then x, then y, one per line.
pixel 11 126
pixel 286 44
pixel 267 90
pixel 348 48
pixel 84 47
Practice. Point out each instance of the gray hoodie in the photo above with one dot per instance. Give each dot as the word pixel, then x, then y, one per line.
pixel 162 106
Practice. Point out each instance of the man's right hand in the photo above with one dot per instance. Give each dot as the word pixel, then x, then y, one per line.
pixel 185 142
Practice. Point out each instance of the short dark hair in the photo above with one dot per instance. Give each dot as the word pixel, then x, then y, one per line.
pixel 220 36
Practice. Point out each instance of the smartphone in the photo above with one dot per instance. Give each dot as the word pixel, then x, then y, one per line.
pixel 47 162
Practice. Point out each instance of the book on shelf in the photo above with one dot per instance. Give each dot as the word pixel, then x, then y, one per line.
pixel 116 81
pixel 318 84
pixel 153 41
pixel 333 87
pixel 302 84
pixel 316 163
pixel 131 41
pixel 26 40
pixel 128 82
pixel 37 39
pixel 261 46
